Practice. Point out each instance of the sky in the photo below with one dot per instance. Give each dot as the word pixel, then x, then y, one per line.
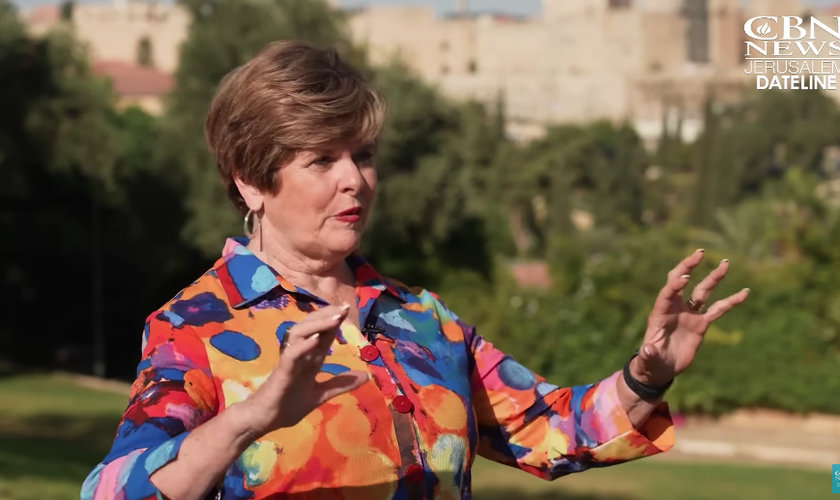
pixel 510 6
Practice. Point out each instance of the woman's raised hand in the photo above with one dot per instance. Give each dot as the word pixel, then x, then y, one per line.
pixel 291 391
pixel 677 324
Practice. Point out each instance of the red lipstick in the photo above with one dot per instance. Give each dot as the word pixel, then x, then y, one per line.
pixel 351 215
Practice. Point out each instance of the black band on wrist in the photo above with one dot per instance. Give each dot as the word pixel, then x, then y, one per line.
pixel 644 391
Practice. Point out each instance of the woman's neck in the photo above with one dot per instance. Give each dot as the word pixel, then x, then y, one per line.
pixel 325 278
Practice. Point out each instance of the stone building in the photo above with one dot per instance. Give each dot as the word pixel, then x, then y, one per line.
pixel 119 31
pixel 648 63
pixel 576 62
pixel 133 43
pixel 136 85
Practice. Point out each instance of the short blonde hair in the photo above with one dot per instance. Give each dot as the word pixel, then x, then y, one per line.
pixel 291 96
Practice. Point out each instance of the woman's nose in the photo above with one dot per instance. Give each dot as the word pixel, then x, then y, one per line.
pixel 351 177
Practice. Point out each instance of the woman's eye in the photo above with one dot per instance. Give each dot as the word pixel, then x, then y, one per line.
pixel 323 161
pixel 365 157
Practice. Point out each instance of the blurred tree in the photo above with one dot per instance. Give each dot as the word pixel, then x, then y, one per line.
pixel 86 217
pixel 745 231
pixel 710 164
pixel 145 259
pixel 596 169
pixel 58 150
pixel 744 146
pixel 66 9
pixel 435 161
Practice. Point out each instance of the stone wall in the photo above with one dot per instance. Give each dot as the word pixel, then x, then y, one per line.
pixel 579 61
pixel 114 31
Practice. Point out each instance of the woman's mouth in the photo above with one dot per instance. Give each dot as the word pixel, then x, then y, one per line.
pixel 351 215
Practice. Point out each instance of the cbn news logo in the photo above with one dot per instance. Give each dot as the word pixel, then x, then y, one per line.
pixel 786 52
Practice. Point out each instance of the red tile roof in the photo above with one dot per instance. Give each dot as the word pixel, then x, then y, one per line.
pixel 44 14
pixel 134 81
pixel 531 275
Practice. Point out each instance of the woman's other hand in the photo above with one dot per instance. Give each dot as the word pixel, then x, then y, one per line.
pixel 677 324
pixel 291 391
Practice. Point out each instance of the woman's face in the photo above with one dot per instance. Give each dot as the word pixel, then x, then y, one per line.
pixel 322 206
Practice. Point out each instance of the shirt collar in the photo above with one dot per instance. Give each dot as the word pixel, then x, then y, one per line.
pixel 245 278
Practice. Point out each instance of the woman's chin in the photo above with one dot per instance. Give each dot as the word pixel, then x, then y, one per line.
pixel 345 243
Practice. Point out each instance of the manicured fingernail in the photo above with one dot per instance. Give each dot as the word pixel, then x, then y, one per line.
pixel 699 250
pixel 685 276
pixel 648 350
pixel 370 376
pixel 724 261
pixel 336 317
pixel 345 307
pixel 747 290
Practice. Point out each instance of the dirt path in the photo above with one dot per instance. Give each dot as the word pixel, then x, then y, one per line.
pixel 97 384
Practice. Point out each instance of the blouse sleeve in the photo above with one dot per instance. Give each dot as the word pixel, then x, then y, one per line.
pixel 173 394
pixel 549 431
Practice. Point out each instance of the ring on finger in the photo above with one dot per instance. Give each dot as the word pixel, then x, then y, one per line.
pixel 694 305
pixel 284 343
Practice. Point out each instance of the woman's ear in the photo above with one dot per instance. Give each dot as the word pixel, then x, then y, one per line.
pixel 252 196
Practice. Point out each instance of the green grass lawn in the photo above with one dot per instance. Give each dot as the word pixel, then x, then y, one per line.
pixel 52 433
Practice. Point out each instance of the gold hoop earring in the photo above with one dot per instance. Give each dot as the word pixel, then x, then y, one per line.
pixel 251 225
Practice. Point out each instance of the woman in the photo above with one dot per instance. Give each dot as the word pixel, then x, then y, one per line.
pixel 292 369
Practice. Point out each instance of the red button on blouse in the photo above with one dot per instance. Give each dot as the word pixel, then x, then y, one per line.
pixel 402 404
pixel 414 473
pixel 369 353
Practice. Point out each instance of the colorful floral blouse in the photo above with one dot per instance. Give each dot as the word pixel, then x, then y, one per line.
pixel 440 395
